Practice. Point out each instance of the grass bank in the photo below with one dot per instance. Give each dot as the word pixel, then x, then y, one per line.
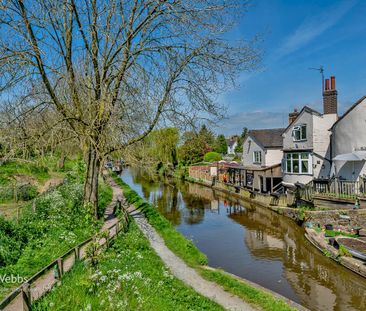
pixel 195 258
pixel 56 222
pixel 128 276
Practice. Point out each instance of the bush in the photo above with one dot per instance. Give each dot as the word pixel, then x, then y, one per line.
pixel 212 157
pixel 27 192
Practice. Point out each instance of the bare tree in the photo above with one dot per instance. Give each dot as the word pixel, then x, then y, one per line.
pixel 113 69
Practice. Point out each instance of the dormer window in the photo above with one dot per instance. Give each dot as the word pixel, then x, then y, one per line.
pixel 299 132
pixel 257 157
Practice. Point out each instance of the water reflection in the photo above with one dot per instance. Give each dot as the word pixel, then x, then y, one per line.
pixel 254 243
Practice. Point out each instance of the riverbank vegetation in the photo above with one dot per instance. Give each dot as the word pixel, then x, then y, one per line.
pixel 53 223
pixel 186 250
pixel 128 276
pixel 168 151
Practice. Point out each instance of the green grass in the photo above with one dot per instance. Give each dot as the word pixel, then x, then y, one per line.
pixel 332 233
pixel 247 292
pixel 105 197
pixel 186 250
pixel 31 168
pixel 129 276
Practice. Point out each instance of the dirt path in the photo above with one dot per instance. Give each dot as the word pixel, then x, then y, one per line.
pixel 185 273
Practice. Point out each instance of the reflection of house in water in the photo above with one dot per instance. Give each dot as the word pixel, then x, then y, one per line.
pixel 269 235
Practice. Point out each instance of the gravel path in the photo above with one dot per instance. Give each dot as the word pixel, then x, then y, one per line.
pixel 187 274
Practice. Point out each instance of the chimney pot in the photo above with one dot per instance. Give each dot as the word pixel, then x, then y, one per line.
pixel 332 82
pixel 292 116
pixel 326 84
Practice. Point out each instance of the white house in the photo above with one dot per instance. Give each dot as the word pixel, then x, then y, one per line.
pixel 349 143
pixel 232 143
pixel 262 155
pixel 306 141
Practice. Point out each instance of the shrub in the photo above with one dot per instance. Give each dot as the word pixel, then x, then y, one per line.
pixel 212 156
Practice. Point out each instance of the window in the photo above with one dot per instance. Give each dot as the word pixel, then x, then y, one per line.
pixel 257 157
pixel 299 132
pixel 298 163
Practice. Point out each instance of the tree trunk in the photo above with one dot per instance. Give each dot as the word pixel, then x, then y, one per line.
pixel 91 179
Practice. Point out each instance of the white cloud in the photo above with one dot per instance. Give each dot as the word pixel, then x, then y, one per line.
pixel 314 26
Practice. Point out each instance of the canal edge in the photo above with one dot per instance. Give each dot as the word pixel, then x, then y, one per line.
pixel 288 301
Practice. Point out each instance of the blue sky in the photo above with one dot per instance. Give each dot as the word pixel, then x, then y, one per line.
pixel 297 35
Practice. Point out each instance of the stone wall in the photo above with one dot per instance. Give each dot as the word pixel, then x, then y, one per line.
pixel 357 218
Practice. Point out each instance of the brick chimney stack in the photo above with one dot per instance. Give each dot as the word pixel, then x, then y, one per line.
pixel 292 116
pixel 330 104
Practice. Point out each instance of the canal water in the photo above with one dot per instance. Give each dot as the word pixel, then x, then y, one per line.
pixel 254 243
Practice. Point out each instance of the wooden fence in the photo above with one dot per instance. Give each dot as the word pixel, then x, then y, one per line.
pixel 43 281
pixel 337 188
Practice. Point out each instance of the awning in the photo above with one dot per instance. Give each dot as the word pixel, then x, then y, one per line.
pixel 354 156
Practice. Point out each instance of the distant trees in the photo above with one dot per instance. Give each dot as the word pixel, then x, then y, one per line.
pixel 220 144
pixel 239 147
pixel 158 148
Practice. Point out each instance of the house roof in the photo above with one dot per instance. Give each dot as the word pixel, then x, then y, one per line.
pixel 268 138
pixel 304 109
pixel 231 142
pixel 350 109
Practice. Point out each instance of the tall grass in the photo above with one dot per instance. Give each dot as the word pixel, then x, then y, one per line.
pixel 46 230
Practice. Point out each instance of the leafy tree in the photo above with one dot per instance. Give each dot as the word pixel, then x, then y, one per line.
pixel 206 135
pixel 221 144
pixel 212 156
pixel 193 148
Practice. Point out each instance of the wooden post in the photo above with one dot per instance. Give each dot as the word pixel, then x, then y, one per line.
pixel 60 267
pixel 117 227
pixel 77 252
pixel 107 238
pixel 27 301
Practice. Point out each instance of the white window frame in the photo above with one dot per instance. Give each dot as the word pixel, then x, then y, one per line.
pixel 301 128
pixel 257 154
pixel 289 158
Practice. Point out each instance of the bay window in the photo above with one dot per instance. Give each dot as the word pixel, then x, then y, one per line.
pixel 298 163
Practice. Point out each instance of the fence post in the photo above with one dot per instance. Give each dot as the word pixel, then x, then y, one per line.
pixel 60 267
pixel 77 252
pixel 26 297
pixel 117 227
pixel 107 238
